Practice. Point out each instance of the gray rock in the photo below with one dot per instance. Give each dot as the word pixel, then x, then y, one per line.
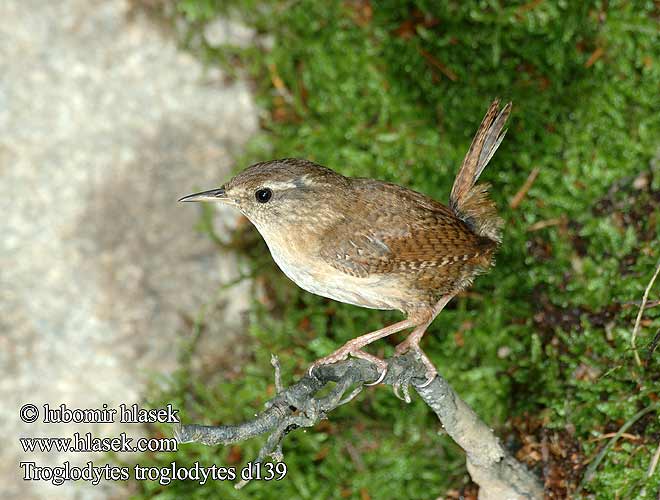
pixel 103 125
pixel 223 31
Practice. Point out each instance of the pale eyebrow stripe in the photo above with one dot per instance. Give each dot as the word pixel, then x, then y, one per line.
pixel 281 185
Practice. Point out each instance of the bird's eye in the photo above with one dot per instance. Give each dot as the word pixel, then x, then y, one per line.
pixel 263 195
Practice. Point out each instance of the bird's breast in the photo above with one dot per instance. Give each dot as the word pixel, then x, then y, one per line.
pixel 316 276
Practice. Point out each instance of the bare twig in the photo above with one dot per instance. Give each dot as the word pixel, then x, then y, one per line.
pixel 279 85
pixel 356 458
pixel 274 360
pixel 438 65
pixel 633 338
pixel 522 192
pixel 498 474
pixel 609 435
pixel 653 345
pixel 654 462
pixel 595 55
pixel 591 470
pixel 542 224
pixel 649 304
pixel 523 9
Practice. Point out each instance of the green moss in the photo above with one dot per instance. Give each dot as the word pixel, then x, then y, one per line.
pixel 545 336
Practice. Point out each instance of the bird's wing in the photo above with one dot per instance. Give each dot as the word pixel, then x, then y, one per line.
pixel 392 229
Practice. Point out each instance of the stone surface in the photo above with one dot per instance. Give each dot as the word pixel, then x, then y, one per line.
pixel 103 125
pixel 223 31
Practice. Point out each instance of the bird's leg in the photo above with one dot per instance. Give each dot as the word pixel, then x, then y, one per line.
pixel 412 342
pixel 354 347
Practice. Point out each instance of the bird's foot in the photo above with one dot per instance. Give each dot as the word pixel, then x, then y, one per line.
pixel 381 364
pixel 355 350
pixel 339 355
pixel 412 345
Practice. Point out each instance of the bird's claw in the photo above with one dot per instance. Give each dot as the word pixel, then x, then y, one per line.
pixel 403 383
pixel 321 362
pixel 339 355
pixel 380 378
pixel 430 377
pixel 344 353
pixel 430 373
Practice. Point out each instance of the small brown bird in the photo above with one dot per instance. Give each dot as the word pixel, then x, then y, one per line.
pixel 371 243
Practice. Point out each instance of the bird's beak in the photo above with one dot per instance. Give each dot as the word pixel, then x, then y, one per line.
pixel 210 195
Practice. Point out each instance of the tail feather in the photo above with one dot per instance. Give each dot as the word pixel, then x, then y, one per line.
pixel 470 202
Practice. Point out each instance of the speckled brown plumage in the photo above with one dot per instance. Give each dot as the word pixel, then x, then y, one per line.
pixel 410 238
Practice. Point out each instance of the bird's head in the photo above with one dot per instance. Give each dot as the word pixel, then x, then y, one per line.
pixel 280 193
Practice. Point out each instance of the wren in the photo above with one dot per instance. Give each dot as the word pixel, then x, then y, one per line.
pixel 372 243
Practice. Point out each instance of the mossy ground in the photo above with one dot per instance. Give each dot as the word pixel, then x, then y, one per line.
pixel 540 346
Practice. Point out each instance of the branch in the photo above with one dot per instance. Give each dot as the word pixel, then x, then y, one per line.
pixel 497 473
pixel 640 313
